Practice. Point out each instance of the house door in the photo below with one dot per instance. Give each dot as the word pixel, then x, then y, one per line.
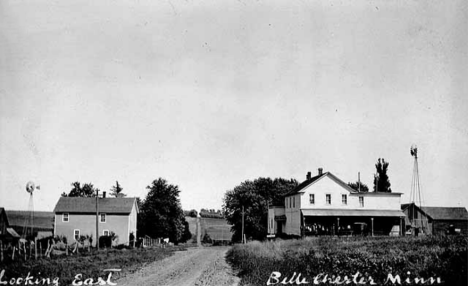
pixel 280 227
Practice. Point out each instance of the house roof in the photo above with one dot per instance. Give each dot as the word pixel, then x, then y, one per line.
pixel 44 220
pixel 88 205
pixel 12 232
pixel 312 180
pixel 442 213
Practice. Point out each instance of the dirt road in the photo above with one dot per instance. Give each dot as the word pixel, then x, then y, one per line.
pixel 196 266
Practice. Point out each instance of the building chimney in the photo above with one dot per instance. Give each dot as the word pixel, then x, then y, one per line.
pixel 320 171
pixel 103 195
pixel 309 175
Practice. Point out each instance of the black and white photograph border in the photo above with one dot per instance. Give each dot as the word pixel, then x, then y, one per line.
pixel 203 142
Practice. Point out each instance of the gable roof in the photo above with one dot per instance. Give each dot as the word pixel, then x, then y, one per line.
pixel 44 220
pixel 312 180
pixel 442 213
pixel 88 205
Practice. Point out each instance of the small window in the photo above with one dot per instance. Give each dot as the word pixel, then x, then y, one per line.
pixel 76 234
pixel 361 202
pixel 65 218
pixel 328 198
pixel 103 217
pixel 344 199
pixel 312 199
pixel 105 232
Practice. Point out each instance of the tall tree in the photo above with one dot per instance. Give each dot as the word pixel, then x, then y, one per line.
pixel 116 190
pixel 381 181
pixel 161 214
pixel 87 190
pixel 360 187
pixel 255 196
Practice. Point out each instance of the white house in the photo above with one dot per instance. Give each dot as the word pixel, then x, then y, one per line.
pixel 324 204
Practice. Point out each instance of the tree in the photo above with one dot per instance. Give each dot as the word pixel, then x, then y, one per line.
pixel 116 191
pixel 161 214
pixel 87 190
pixel 256 196
pixel 363 188
pixel 381 181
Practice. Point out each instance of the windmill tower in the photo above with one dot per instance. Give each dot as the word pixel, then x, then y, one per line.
pixel 28 227
pixel 418 223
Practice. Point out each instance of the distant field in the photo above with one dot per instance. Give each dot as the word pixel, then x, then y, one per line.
pixel 421 257
pixel 217 229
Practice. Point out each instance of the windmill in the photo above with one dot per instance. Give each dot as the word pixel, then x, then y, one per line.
pixel 28 227
pixel 417 223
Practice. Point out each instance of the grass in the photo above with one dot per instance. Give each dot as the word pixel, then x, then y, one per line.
pixel 90 265
pixel 217 228
pixel 424 257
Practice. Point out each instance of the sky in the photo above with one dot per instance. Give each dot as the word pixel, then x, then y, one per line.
pixel 208 94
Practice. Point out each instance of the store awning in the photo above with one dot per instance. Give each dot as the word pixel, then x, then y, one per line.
pixel 341 212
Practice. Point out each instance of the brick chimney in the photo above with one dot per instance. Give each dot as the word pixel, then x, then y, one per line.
pixel 309 175
pixel 320 171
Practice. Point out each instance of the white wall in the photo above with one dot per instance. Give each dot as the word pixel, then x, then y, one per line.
pixel 327 185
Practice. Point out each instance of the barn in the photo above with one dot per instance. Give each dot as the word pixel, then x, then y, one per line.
pixel 439 220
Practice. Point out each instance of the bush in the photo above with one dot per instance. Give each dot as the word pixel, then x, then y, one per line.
pixel 105 241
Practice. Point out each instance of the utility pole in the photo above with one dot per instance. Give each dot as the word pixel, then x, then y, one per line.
pixel 97 219
pixel 243 240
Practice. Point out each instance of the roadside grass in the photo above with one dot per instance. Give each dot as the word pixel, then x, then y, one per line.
pixel 89 264
pixel 376 257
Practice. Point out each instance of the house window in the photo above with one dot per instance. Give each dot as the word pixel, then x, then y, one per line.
pixel 65 218
pixel 103 217
pixel 76 234
pixel 328 198
pixel 361 202
pixel 344 199
pixel 312 199
pixel 105 232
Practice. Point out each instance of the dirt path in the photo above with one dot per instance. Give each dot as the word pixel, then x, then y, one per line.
pixel 196 266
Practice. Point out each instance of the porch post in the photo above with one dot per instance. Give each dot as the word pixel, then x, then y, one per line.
pixel 401 227
pixel 338 226
pixel 372 226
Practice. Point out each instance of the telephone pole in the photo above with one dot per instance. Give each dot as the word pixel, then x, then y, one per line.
pixel 97 219
pixel 243 240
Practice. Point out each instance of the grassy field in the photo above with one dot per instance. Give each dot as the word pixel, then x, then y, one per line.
pixel 90 265
pixel 217 229
pixel 423 257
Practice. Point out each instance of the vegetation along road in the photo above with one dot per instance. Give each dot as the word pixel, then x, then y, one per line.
pixel 195 266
